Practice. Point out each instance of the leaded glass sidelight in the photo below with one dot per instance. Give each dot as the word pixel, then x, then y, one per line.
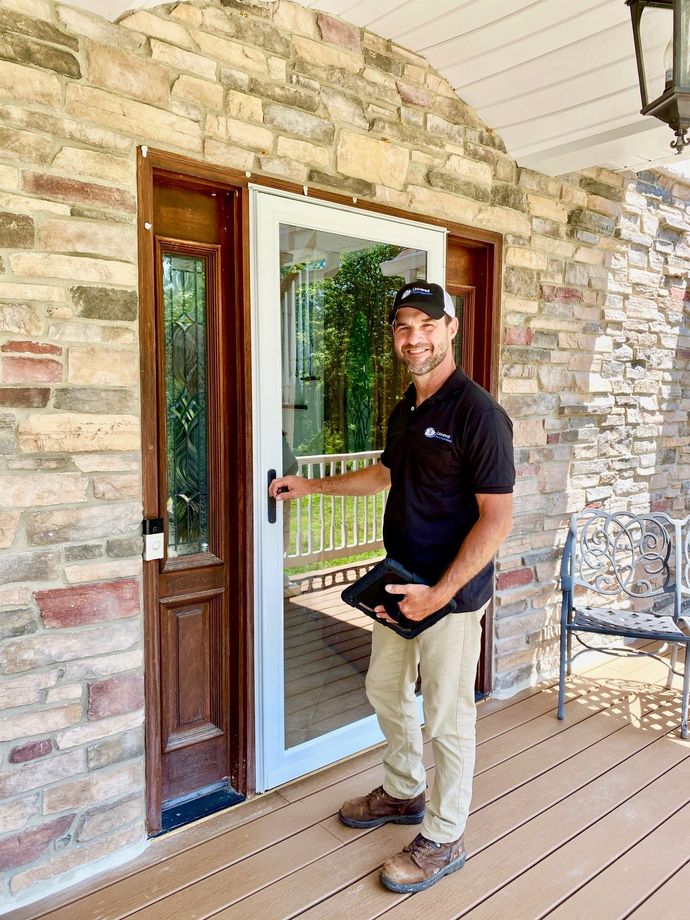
pixel 186 413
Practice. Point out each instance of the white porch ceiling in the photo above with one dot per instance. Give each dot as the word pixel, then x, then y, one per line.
pixel 556 79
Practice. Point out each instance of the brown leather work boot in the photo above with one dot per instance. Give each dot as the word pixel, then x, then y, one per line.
pixel 422 864
pixel 379 808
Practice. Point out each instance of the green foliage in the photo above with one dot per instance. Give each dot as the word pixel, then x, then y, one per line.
pixel 325 441
pixel 345 363
pixel 361 378
pixel 358 394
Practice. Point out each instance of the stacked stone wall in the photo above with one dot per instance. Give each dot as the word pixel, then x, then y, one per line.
pixel 593 369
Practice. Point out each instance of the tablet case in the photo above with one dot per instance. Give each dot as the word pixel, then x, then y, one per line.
pixel 369 591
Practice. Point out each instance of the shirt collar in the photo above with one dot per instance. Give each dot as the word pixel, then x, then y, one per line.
pixel 456 382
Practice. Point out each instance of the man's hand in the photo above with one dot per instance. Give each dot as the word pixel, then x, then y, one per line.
pixel 367 481
pixel 417 602
pixel 285 488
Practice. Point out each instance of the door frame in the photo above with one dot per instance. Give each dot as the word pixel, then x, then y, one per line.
pixel 151 166
pixel 480 350
pixel 271 208
pixel 152 162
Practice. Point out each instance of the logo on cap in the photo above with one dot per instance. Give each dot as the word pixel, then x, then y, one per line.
pixel 425 292
pixel 426 296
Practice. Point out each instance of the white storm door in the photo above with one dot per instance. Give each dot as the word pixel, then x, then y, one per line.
pixel 325 378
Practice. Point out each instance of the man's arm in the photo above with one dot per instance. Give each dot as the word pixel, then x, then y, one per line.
pixel 366 481
pixel 478 549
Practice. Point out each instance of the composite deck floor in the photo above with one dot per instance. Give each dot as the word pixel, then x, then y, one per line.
pixel 586 818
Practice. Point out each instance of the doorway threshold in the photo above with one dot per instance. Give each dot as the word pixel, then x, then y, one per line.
pixel 199 804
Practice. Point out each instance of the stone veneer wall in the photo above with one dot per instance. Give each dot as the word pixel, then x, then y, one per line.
pixel 594 347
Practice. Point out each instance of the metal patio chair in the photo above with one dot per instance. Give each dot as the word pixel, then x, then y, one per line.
pixel 634 573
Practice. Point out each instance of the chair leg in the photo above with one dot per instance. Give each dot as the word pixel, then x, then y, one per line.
pixel 686 693
pixel 672 665
pixel 569 641
pixel 565 637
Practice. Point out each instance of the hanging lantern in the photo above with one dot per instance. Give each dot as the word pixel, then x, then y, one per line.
pixel 662 48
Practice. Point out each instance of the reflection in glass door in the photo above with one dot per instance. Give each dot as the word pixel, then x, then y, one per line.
pixel 335 274
pixel 340 381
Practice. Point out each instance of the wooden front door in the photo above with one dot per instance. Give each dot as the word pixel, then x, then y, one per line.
pixel 196 462
pixel 471 273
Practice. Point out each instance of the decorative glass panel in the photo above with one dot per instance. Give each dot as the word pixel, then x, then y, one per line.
pixel 184 299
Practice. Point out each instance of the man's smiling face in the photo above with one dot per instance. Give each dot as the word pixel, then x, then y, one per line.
pixel 422 343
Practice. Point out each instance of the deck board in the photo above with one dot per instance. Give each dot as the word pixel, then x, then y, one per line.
pixel 569 819
pixel 670 900
pixel 625 883
pixel 256 873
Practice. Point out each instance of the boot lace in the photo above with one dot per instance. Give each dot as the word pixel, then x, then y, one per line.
pixel 420 846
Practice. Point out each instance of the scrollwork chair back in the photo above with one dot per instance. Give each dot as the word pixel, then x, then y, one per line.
pixel 622 553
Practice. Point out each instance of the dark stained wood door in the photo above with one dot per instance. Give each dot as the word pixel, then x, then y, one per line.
pixel 195 456
pixel 470 277
pixel 471 273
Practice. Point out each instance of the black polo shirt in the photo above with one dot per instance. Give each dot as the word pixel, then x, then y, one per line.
pixel 458 443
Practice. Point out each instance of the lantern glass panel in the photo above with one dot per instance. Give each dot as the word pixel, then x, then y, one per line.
pixel 656 31
pixel 683 80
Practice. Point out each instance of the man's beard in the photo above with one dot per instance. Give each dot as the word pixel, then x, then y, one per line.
pixel 435 358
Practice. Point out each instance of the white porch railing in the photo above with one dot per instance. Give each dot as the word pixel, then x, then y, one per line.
pixel 323 527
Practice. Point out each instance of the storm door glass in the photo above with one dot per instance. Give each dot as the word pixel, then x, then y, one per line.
pixel 328 379
pixel 339 383
pixel 184 299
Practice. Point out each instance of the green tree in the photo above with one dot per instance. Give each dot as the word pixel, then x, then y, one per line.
pixel 360 390
pixel 359 401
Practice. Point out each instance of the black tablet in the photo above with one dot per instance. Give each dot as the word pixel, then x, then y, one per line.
pixel 369 592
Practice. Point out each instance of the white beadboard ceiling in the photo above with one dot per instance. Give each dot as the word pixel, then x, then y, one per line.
pixel 555 78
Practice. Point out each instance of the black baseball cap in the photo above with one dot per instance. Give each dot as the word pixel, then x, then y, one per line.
pixel 426 296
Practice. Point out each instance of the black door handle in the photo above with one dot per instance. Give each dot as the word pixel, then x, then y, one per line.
pixel 271 501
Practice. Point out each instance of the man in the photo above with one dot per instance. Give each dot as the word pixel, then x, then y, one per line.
pixel 449 464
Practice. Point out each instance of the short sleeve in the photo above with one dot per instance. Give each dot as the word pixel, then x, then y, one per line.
pixel 488 449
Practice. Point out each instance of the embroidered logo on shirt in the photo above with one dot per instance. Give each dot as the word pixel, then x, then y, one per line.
pixel 438 435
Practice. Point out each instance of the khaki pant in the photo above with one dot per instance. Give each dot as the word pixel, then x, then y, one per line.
pixel 447 654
